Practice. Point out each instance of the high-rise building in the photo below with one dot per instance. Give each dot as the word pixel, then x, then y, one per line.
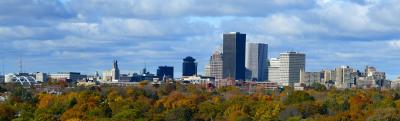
pixel 256 61
pixel 207 70
pixel 115 71
pixel 329 76
pixel 274 70
pixel 308 78
pixel 113 74
pixel 189 66
pixel 165 72
pixel 216 66
pixel 344 77
pixel 289 64
pixel 234 47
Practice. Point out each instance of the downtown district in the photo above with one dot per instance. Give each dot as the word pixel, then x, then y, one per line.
pixel 237 63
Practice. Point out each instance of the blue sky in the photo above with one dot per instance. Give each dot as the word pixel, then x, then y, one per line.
pixel 87 35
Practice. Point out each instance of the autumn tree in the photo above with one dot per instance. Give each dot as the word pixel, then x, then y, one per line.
pixel 298 97
pixel 7 113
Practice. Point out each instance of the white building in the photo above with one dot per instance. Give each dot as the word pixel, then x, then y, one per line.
pixel 395 83
pixel 256 61
pixel 289 65
pixel 72 76
pixel 273 70
pixel 329 76
pixel 41 77
pixel 8 78
pixel 216 65
pixel 372 79
pixel 113 74
pixel 107 76
pixel 207 70
pixel 200 80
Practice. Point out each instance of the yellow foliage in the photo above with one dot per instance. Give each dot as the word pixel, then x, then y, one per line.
pixel 44 101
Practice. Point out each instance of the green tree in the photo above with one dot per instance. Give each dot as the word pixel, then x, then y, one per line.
pixel 318 87
pixel 179 114
pixel 298 97
pixel 127 114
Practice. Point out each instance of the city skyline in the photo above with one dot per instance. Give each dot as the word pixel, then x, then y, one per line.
pixel 86 36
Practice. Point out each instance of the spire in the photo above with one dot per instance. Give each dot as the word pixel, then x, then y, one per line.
pixel 115 64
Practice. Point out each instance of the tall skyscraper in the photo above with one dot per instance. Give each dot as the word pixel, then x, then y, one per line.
pixel 256 61
pixel 189 66
pixel 215 66
pixel 165 71
pixel 289 64
pixel 115 71
pixel 234 47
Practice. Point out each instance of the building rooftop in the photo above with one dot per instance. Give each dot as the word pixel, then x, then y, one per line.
pixel 292 52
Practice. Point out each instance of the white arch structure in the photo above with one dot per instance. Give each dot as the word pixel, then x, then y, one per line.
pixel 23 80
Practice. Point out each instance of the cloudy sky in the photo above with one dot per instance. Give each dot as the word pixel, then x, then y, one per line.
pixel 87 35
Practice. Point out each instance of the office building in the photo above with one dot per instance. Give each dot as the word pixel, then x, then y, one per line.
pixel 256 61
pixel 207 70
pixel 329 76
pixel 234 47
pixel 216 66
pixel 189 66
pixel 395 83
pixel 344 77
pixel 107 76
pixel 200 80
pixel 67 76
pixel 115 71
pixel 308 78
pixel 289 65
pixel 113 74
pixel 274 70
pixel 41 77
pixel 165 72
pixel 372 79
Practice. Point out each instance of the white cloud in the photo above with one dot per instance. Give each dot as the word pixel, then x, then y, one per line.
pixel 153 28
pixel 394 44
pixel 83 28
pixel 174 8
pixel 331 32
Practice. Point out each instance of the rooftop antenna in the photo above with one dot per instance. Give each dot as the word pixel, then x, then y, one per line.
pixel 20 65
